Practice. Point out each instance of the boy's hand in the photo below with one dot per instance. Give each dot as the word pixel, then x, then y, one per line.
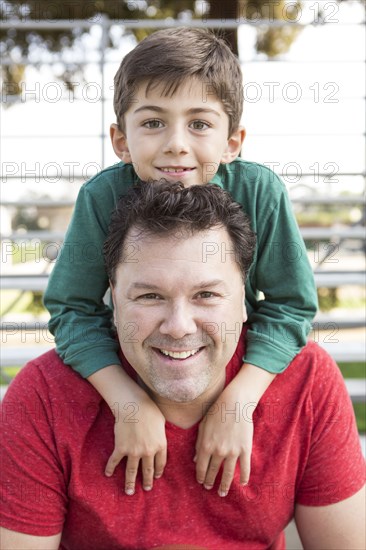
pixel 139 436
pixel 139 429
pixel 225 434
pixel 226 431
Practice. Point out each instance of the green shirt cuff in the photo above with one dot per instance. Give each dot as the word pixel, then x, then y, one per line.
pixel 267 356
pixel 94 359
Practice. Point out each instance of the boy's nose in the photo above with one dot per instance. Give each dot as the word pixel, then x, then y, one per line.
pixel 176 143
pixel 178 322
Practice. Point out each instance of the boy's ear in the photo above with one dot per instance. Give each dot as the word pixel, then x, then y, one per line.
pixel 119 143
pixel 234 145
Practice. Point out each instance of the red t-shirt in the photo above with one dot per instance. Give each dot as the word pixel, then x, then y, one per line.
pixel 58 435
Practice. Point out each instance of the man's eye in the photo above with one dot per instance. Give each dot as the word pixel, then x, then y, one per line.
pixel 149 296
pixel 206 294
pixel 200 125
pixel 153 124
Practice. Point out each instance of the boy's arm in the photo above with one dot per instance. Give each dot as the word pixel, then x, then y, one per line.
pixel 278 328
pixel 226 433
pixel 280 321
pixel 140 435
pixel 80 321
pixel 82 326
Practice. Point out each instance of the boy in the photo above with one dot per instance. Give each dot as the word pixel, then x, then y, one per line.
pixel 178 100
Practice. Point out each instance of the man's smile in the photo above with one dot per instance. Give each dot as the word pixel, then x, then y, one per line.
pixel 180 354
pixel 186 357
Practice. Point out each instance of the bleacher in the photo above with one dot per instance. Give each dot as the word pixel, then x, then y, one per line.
pixel 341 351
pixel 339 235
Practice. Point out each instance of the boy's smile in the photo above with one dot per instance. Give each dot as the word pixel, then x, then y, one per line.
pixel 183 137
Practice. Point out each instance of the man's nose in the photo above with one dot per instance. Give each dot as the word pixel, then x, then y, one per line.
pixel 178 322
pixel 176 142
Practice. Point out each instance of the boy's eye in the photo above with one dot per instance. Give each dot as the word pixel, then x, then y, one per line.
pixel 153 124
pixel 200 125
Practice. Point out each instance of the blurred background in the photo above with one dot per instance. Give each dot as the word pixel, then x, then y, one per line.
pixel 303 63
pixel 304 84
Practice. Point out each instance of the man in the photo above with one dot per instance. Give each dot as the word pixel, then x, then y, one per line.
pixel 177 260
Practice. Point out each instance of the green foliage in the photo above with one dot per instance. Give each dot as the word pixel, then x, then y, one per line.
pixel 360 414
pixel 36 306
pixel 276 40
pixel 7 374
pixel 16 301
pixel 356 370
pixel 18 43
pixel 326 215
pixel 353 370
pixel 328 298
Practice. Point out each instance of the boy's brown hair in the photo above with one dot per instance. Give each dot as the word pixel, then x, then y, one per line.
pixel 171 56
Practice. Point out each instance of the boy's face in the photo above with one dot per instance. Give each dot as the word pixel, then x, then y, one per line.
pixel 183 137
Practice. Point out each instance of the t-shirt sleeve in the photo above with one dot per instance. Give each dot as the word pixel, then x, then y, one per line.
pixel 33 488
pixel 335 468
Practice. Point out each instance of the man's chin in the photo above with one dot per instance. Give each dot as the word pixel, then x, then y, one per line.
pixel 178 393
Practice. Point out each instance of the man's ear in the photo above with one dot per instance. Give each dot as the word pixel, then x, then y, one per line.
pixel 234 145
pixel 114 302
pixel 119 143
pixel 245 313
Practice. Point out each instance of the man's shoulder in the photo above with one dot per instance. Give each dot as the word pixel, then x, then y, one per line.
pixel 309 395
pixel 314 372
pixel 315 357
pixel 46 378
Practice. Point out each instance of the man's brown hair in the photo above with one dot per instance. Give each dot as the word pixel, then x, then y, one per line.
pixel 171 56
pixel 169 209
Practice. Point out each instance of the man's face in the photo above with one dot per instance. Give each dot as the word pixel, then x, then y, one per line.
pixel 180 138
pixel 179 309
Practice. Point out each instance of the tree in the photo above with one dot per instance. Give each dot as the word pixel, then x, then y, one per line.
pixel 17 43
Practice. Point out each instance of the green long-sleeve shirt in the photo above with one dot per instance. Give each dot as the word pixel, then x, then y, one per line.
pixel 280 320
